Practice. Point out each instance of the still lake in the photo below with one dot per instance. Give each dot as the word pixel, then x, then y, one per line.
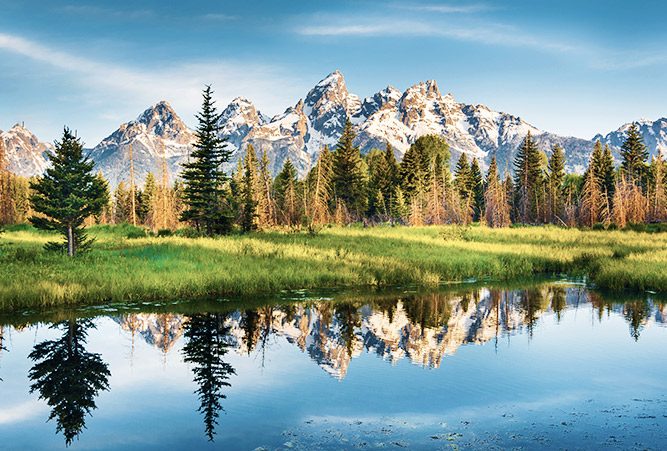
pixel 547 365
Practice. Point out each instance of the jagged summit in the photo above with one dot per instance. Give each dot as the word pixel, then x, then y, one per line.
pixel 25 153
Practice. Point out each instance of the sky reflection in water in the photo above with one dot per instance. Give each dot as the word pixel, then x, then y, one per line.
pixel 546 366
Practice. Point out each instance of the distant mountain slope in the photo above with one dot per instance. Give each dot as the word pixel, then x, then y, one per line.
pixel 156 134
pixel 26 154
pixel 301 131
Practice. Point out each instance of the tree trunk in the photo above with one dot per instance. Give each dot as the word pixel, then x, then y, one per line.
pixel 70 241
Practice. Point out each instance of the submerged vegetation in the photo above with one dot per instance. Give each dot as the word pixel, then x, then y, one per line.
pixel 126 264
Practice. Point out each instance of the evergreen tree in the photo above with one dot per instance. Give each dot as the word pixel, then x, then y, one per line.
pixel 249 189
pixel 436 198
pixel 477 190
pixel 122 204
pixel 348 178
pixel 67 194
pixel 378 183
pixel 607 175
pixel 556 177
pixel 416 167
pixel 391 178
pixel 147 199
pixel 527 181
pixel 463 178
pixel 205 351
pixel 265 204
pixel 285 192
pixel 68 377
pixel 634 155
pixel 400 208
pixel 204 194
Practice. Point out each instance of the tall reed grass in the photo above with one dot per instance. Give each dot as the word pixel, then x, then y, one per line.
pixel 149 268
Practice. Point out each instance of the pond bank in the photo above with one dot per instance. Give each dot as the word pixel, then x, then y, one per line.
pixel 123 269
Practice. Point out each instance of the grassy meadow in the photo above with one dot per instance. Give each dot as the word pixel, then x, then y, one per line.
pixel 123 267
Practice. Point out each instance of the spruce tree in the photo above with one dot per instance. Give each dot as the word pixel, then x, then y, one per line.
pixel 416 167
pixel 348 178
pixel 249 191
pixel 634 155
pixel 527 181
pixel 463 177
pixel 206 203
pixel 556 177
pixel 285 192
pixel 147 199
pixel 266 207
pixel 477 189
pixel 413 172
pixel 607 173
pixel 205 351
pixel 68 377
pixel 67 194
pixel 400 208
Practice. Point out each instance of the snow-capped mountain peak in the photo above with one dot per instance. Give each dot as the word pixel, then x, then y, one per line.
pixel 25 153
pixel 302 130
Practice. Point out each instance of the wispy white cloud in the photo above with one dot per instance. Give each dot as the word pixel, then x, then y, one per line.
pixel 122 92
pixel 486 33
pixel 446 8
pixel 482 32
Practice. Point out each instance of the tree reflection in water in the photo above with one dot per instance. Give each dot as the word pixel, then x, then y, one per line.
pixel 68 377
pixel 205 350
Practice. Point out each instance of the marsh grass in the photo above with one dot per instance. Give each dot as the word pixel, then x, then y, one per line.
pixel 126 265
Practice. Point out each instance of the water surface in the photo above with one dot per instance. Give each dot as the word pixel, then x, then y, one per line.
pixel 543 366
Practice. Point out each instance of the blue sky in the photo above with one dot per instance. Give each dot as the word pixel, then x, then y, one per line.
pixel 571 67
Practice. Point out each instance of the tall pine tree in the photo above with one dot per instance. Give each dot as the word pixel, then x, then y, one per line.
pixel 67 194
pixel 477 190
pixel 556 177
pixel 527 181
pixel 348 177
pixel 206 203
pixel 634 155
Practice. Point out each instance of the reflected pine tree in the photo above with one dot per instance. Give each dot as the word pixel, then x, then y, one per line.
pixel 532 302
pixel 249 322
pixel 348 318
pixel 637 314
pixel 205 350
pixel 68 377
pixel 558 300
pixel 430 311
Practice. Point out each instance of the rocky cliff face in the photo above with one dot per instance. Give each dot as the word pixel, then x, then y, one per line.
pixel 157 134
pixel 26 154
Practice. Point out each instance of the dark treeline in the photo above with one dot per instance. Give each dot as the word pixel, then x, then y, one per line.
pixel 343 187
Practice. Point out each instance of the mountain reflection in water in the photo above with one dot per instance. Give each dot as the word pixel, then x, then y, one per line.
pixel 421 329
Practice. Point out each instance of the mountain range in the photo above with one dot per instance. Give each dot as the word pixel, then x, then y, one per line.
pixel 301 131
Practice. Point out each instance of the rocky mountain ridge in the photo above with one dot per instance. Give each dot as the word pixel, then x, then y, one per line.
pixel 301 131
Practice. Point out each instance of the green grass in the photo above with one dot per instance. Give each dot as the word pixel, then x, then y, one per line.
pixel 126 266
